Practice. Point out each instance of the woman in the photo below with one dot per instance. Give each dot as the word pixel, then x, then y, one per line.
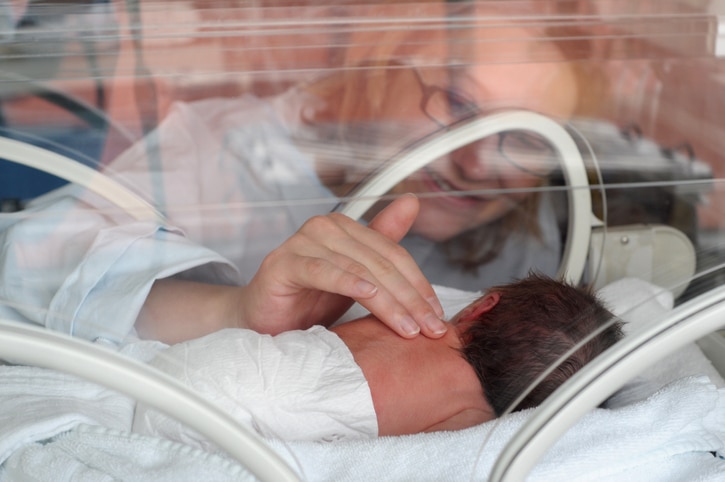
pixel 237 178
pixel 468 233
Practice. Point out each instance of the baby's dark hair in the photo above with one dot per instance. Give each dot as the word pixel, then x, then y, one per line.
pixel 535 322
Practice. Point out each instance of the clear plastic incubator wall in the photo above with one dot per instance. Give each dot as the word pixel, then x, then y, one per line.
pixel 202 204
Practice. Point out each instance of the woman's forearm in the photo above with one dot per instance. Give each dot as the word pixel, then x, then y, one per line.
pixel 178 310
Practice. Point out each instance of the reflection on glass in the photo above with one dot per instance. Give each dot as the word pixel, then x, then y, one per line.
pixel 243 123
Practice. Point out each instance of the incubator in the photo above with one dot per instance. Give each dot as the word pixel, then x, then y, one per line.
pixel 187 140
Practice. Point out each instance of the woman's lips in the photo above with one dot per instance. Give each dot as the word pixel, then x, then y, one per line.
pixel 437 184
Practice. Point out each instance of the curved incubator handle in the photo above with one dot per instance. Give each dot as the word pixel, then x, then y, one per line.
pixel 77 173
pixel 30 345
pixel 362 198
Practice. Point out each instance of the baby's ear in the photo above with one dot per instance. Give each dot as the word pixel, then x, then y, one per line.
pixel 473 311
pixel 487 302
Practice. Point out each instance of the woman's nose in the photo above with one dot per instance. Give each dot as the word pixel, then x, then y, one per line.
pixel 476 162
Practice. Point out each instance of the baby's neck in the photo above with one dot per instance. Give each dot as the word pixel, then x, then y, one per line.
pixel 415 383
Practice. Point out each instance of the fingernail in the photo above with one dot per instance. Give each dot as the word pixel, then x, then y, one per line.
pixel 433 301
pixel 365 288
pixel 436 325
pixel 409 326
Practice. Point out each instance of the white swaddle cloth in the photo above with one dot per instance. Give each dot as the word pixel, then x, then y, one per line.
pixel 299 385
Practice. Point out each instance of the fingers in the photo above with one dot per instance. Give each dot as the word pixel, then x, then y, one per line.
pixel 346 257
pixel 388 295
pixel 396 219
pixel 394 222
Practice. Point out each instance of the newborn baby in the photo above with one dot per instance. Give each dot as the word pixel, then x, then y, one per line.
pixel 360 379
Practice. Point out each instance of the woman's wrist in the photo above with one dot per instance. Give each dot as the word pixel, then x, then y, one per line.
pixel 179 310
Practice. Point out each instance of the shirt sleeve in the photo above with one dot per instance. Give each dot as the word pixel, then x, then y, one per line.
pixel 299 385
pixel 74 271
pixel 74 262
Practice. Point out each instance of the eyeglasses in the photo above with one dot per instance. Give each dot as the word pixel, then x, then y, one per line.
pixel 528 152
pixel 444 106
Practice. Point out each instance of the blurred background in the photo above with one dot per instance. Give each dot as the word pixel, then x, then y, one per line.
pixel 88 79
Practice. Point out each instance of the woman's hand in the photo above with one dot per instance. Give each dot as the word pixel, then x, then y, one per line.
pixel 312 278
pixel 315 276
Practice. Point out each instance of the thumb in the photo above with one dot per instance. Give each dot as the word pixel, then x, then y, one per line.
pixel 396 219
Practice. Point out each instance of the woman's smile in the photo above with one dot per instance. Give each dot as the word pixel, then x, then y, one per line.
pixel 436 183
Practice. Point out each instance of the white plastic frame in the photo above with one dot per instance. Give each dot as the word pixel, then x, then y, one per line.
pixel 579 200
pixel 29 345
pixel 75 172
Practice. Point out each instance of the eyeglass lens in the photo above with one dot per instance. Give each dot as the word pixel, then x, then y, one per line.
pixel 444 106
pixel 528 152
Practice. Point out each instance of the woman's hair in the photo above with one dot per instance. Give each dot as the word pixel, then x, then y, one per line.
pixel 536 321
pixel 478 246
pixel 370 71
pixel 474 248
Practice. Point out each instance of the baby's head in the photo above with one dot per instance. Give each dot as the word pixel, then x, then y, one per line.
pixel 515 332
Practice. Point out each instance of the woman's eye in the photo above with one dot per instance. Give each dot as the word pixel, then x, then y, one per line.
pixel 527 142
pixel 459 105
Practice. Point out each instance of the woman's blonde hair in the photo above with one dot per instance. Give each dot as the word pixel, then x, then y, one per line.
pixel 360 88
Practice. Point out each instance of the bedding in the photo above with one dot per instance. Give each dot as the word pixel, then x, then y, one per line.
pixel 661 424
pixel 642 304
pixel 629 443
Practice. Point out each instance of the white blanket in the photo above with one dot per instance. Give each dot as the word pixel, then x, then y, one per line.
pixel 686 419
pixel 55 428
pixel 669 436
pixel 37 404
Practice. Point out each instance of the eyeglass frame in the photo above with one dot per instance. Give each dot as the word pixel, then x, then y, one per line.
pixel 429 90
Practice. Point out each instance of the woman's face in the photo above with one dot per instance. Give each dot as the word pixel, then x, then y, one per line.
pixel 463 190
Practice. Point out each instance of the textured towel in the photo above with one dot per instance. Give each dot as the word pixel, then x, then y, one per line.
pixel 642 304
pixel 684 421
pixel 666 437
pixel 37 404
pixel 91 453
